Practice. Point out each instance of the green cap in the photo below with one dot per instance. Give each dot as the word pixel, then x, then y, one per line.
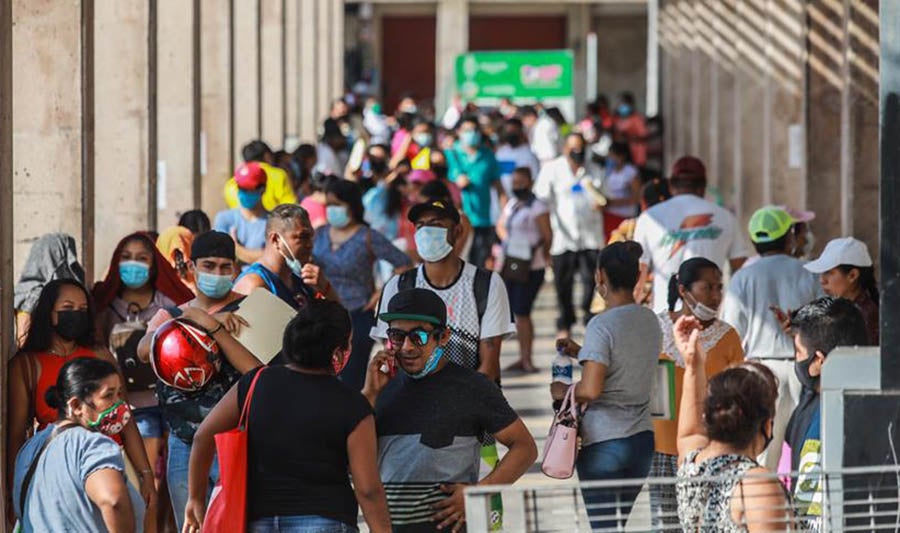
pixel 769 223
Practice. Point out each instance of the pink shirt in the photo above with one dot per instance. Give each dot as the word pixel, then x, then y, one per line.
pixel 316 211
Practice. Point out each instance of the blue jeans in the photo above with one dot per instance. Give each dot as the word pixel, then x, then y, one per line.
pixel 627 458
pixel 177 476
pixel 354 373
pixel 149 422
pixel 298 524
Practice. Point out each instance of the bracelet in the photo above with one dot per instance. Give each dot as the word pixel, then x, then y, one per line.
pixel 216 330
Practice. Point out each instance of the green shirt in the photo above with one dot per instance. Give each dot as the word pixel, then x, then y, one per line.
pixel 482 170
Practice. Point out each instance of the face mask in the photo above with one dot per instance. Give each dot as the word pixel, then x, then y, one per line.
pixel 134 274
pixel 704 313
pixel 577 156
pixel 249 199
pixel 339 361
pixel 214 286
pixel 378 166
pixel 113 420
pixel 801 369
pixel 513 139
pixel 376 108
pixel 71 325
pixel 337 215
pixel 430 365
pixel 411 109
pixel 623 110
pixel 422 139
pixel 292 262
pixel 522 194
pixel 470 138
pixel 432 244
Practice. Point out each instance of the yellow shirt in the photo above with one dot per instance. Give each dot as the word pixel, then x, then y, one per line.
pixel 723 344
pixel 279 189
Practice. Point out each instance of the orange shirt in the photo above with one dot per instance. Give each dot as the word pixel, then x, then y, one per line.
pixel 722 343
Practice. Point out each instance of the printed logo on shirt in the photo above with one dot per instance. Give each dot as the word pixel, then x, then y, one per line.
pixel 693 228
pixel 808 493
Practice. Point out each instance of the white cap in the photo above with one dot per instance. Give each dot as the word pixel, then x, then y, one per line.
pixel 843 251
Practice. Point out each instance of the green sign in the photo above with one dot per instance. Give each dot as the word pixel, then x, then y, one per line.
pixel 526 74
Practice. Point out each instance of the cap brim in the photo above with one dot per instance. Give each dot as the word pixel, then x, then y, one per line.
pixel 416 212
pixel 389 317
pixel 820 265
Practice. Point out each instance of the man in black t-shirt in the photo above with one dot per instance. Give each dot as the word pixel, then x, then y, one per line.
pixel 430 417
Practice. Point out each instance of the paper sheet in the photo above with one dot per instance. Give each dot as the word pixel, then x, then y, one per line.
pixel 267 316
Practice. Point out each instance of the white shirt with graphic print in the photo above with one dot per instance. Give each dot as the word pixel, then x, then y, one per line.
pixel 462 313
pixel 683 227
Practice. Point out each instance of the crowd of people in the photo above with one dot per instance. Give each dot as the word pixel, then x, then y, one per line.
pixel 433 236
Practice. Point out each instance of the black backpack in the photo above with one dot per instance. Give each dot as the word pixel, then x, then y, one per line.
pixel 481 287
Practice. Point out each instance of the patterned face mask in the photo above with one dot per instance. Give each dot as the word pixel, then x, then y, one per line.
pixel 113 420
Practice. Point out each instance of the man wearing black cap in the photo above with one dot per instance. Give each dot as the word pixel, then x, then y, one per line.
pixel 430 417
pixel 214 266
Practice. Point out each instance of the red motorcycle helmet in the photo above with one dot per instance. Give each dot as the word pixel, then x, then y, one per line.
pixel 183 355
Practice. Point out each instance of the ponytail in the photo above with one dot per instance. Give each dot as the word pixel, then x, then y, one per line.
pixel 866 280
pixel 673 292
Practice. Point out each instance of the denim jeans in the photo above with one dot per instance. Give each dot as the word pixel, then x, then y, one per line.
pixel 626 458
pixel 298 524
pixel 177 476
pixel 354 374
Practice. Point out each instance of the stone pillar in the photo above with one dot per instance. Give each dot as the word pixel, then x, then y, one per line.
pixel 291 74
pixel 246 74
pixel 452 39
pixel 177 61
pixel 271 27
pixel 336 63
pixel 217 118
pixel 578 24
pixel 46 127
pixel 7 314
pixel 309 87
pixel 121 123
pixel 323 44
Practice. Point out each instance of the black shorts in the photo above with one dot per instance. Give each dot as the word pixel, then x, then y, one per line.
pixel 522 295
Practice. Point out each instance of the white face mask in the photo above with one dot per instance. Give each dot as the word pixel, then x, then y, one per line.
pixel 703 312
pixel 432 244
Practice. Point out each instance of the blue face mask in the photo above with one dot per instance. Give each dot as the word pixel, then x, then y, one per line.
pixel 214 286
pixel 422 139
pixel 134 274
pixel 337 215
pixel 623 110
pixel 432 244
pixel 249 199
pixel 292 262
pixel 471 138
pixel 430 364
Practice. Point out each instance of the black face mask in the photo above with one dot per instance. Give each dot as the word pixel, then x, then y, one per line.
pixel 801 368
pixel 72 325
pixel 378 166
pixel 512 139
pixel 522 194
pixel 440 171
pixel 577 156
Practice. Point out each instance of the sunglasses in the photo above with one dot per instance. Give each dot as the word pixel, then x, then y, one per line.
pixel 417 336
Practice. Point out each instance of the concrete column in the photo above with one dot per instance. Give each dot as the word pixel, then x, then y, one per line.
pixel 308 72
pixel 46 127
pixel 291 74
pixel 121 127
pixel 7 314
pixel 751 78
pixel 337 48
pixel 217 120
pixel 177 61
pixel 578 24
pixel 452 39
pixel 246 74
pixel 324 43
pixel 271 27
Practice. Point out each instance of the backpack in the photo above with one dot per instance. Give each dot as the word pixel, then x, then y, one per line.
pixel 481 287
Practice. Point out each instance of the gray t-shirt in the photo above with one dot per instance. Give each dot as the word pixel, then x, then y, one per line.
pixel 57 499
pixel 626 339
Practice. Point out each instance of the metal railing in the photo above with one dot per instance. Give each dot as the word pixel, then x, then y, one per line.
pixel 851 499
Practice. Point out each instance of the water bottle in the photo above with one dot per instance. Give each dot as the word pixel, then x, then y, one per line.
pixel 562 369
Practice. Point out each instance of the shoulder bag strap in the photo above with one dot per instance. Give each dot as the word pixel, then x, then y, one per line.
pixel 26 481
pixel 245 412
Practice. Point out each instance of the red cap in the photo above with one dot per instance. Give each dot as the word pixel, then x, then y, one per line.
pixel 688 167
pixel 250 176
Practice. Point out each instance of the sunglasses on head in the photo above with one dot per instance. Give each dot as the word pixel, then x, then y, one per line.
pixel 417 336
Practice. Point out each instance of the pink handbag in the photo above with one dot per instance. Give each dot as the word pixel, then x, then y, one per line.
pixel 561 448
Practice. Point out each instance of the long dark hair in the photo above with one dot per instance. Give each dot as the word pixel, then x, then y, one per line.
pixel 312 336
pixel 866 280
pixel 80 378
pixel 41 330
pixel 349 193
pixel 689 272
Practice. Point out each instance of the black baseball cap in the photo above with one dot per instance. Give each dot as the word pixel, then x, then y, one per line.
pixel 440 207
pixel 416 304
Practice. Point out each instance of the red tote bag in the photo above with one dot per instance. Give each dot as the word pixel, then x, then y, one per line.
pixel 227 511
